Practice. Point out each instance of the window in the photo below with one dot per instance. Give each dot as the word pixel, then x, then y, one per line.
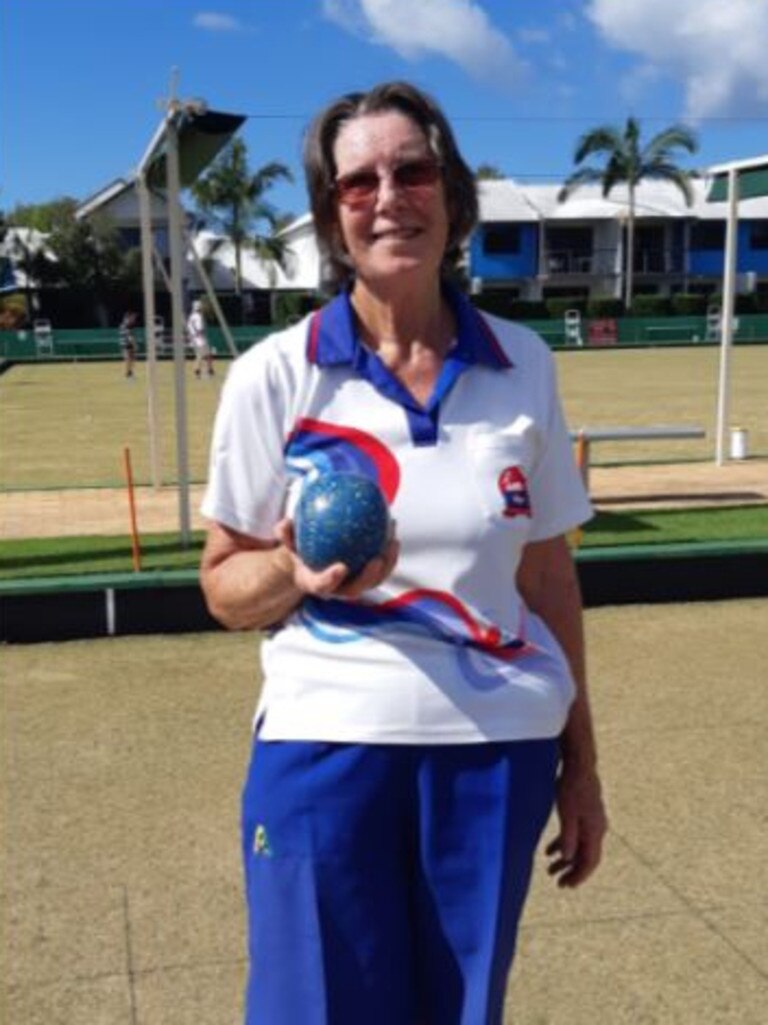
pixel 574 240
pixel 644 289
pixel 565 293
pixel 708 235
pixel 499 238
pixel 130 238
pixel 758 235
pixel 701 288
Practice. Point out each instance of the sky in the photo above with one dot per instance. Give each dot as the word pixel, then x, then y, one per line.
pixel 83 82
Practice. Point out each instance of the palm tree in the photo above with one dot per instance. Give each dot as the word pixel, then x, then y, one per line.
pixel 233 197
pixel 489 172
pixel 628 162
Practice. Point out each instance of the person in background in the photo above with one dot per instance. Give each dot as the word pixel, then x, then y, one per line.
pixel 419 721
pixel 128 341
pixel 198 339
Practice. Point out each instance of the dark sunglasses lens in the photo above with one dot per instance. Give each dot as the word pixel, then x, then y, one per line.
pixel 417 174
pixel 354 189
pixel 357 187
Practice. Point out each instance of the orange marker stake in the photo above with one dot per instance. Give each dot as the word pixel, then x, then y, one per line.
pixel 135 547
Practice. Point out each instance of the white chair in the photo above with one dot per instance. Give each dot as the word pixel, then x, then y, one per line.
pixel 43 333
pixel 714 324
pixel 573 328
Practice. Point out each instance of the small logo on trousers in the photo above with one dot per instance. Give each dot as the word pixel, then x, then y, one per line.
pixel 261 846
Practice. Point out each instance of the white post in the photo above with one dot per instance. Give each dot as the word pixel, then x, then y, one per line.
pixel 148 284
pixel 729 292
pixel 177 256
pixel 542 269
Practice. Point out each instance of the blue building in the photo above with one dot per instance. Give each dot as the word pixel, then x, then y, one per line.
pixel 533 247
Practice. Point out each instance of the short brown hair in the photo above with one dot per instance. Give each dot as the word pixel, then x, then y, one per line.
pixel 320 170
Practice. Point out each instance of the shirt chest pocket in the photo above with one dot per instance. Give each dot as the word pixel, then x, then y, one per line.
pixel 500 470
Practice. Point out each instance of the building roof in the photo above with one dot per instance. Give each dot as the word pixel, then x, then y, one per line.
pixel 653 200
pixel 104 196
pixel 120 200
pixel 301 269
pixel 504 200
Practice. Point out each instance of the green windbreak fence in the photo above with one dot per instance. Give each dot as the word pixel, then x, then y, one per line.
pixel 624 331
pixel 104 343
pixel 649 331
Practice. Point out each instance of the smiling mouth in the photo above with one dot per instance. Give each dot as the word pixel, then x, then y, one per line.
pixel 397 235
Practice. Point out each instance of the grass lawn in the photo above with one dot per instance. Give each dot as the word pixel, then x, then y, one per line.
pixel 66 556
pixel 635 387
pixel 677 526
pixel 72 556
pixel 65 425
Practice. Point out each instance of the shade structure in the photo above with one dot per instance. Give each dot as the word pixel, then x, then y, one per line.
pixel 753 182
pixel 186 141
pixel 201 136
pixel 740 179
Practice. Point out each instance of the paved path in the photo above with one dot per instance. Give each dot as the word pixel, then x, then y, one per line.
pixel 105 510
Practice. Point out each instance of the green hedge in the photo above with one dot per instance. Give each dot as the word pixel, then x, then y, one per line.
pixel 685 305
pixel 605 306
pixel 748 302
pixel 651 306
pixel 289 307
pixel 557 306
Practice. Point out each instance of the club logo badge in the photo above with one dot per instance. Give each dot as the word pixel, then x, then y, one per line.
pixel 514 491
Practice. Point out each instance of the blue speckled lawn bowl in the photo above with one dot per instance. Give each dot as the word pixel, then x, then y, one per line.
pixel 340 517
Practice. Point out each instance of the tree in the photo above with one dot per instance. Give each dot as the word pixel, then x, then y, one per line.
pixel 628 162
pixel 233 198
pixel 84 256
pixel 489 172
pixel 89 257
pixel 88 251
pixel 42 216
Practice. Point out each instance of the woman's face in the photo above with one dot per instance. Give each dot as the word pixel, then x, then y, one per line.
pixel 390 199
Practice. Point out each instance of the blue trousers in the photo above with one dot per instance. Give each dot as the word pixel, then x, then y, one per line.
pixel 385 882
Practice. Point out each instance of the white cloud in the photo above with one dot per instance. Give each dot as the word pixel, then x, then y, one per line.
pixel 458 30
pixel 212 21
pixel 534 35
pixel 717 48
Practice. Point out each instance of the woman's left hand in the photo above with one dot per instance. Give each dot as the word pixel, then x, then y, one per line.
pixel 577 849
pixel 335 581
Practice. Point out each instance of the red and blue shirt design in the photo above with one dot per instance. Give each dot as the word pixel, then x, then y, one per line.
pixel 445 650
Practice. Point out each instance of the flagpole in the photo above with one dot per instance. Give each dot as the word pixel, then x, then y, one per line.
pixel 727 315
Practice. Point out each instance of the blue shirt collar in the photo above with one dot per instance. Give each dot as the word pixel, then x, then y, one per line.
pixel 332 339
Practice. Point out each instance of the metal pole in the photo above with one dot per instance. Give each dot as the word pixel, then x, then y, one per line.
pixel 726 327
pixel 176 250
pixel 148 284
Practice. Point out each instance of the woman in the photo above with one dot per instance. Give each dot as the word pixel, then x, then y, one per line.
pixel 418 721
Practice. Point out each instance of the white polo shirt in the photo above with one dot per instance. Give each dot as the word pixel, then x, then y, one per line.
pixel 445 650
pixel 196 331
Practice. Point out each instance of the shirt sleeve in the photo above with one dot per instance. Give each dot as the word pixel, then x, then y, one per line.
pixel 247 480
pixel 558 497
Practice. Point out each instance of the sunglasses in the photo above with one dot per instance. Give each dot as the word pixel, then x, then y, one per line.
pixel 361 187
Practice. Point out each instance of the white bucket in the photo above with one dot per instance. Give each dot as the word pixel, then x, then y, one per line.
pixel 738 443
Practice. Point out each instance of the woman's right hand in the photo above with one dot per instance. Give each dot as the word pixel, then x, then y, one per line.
pixel 334 581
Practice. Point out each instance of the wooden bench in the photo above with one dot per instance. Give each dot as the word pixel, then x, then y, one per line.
pixel 585 437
